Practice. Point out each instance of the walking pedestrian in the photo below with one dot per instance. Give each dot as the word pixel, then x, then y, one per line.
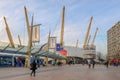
pixel 33 68
pixel 89 63
pixel 107 62
pixel 116 64
pixel 93 63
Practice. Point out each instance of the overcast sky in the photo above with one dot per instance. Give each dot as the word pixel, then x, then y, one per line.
pixel 49 12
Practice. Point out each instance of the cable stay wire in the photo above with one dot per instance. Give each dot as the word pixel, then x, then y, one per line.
pixel 57 25
pixel 1 24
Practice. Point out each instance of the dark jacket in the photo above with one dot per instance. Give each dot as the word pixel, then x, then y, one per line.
pixel 33 66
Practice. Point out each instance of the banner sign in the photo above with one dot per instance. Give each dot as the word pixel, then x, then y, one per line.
pixel 52 42
pixel 36 33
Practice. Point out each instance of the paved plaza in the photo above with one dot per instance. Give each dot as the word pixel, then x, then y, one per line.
pixel 65 72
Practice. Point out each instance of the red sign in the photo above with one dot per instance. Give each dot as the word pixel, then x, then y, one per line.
pixel 63 52
pixel 119 60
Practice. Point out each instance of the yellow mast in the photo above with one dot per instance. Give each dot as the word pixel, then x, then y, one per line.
pixel 87 34
pixel 77 44
pixel 29 30
pixel 19 40
pixel 88 40
pixel 62 28
pixel 94 36
pixel 27 23
pixel 48 41
pixel 30 43
pixel 9 34
pixel 31 33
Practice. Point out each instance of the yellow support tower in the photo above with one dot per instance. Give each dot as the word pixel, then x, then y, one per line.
pixel 19 40
pixel 88 40
pixel 29 30
pixel 30 42
pixel 47 47
pixel 62 32
pixel 27 24
pixel 94 36
pixel 87 34
pixel 92 44
pixel 62 28
pixel 9 34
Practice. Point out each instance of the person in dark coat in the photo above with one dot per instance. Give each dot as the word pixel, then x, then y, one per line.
pixel 107 63
pixel 33 68
pixel 89 63
pixel 93 63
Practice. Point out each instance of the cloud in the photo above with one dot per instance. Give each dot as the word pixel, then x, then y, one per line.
pixel 48 13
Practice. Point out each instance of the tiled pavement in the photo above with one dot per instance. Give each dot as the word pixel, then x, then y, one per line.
pixel 66 72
